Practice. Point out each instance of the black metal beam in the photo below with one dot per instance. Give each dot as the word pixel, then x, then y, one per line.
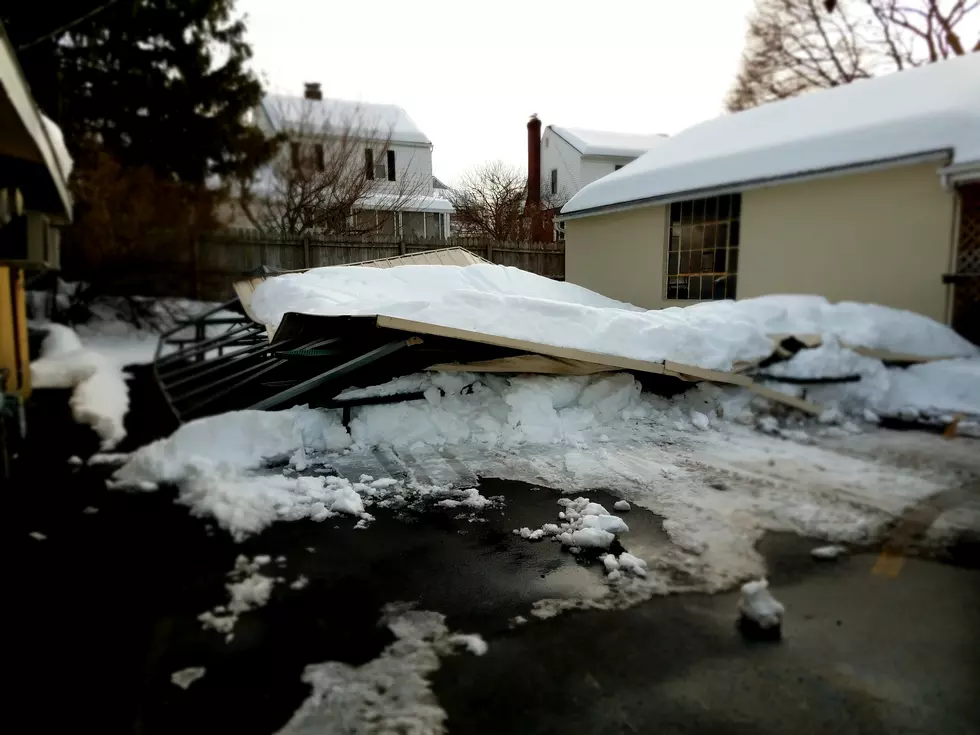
pixel 209 344
pixel 336 372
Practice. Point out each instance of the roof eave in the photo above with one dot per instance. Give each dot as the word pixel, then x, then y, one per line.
pixel 739 186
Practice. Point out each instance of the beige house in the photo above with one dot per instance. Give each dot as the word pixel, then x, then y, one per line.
pixel 868 192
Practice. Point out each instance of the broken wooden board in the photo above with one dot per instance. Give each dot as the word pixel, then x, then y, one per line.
pixel 799 404
pixel 531 363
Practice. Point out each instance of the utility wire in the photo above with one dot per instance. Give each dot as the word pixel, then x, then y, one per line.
pixel 72 24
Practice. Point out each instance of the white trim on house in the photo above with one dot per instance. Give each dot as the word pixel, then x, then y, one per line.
pixel 900 115
pixel 15 88
pixel 939 157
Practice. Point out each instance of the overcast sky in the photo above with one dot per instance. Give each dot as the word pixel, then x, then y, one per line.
pixel 471 72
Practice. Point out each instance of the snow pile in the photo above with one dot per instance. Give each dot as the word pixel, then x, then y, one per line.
pixel 758 605
pixel 829 360
pixel 247 591
pixel 625 563
pixel 220 466
pixel 934 389
pixel 512 303
pixel 100 398
pixel 583 525
pixel 392 693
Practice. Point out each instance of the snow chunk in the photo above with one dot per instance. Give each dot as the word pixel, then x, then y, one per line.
pixel 301 582
pixel 38 536
pixel 185 677
pixel 610 562
pixel 610 523
pixel 588 538
pixel 758 605
pixel 472 642
pixel 828 552
pixel 700 421
pixel 621 505
pixel 633 564
pixel 594 509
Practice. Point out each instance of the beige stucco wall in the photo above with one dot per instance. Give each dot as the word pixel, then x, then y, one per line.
pixel 883 236
pixel 620 255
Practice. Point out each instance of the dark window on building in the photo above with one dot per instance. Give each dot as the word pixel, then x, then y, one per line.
pixel 702 248
pixel 369 163
pixel 318 152
pixel 294 155
pixel 391 165
pixel 554 181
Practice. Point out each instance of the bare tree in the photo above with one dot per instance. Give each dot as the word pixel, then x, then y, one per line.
pixel 491 201
pixel 794 46
pixel 332 174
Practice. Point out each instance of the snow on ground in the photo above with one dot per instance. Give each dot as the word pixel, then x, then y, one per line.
pixel 393 688
pixel 100 397
pixel 248 590
pixel 718 489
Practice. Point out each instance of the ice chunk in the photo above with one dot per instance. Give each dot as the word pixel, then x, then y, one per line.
pixel 828 552
pixel 758 605
pixel 700 420
pixel 594 509
pixel 621 505
pixel 610 562
pixel 588 538
pixel 633 564
pixel 613 524
pixel 472 642
pixel 185 677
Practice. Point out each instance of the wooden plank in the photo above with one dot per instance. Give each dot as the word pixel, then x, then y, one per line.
pixel 798 403
pixel 537 364
pixel 436 330
pixel 897 357
pixel 698 373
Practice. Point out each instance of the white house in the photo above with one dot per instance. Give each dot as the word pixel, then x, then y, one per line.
pixel 574 157
pixel 381 140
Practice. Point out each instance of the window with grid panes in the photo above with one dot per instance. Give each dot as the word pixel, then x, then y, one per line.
pixel 702 248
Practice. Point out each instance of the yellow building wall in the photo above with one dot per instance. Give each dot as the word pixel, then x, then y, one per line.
pixel 884 237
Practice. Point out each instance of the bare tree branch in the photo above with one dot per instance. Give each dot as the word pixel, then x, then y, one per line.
pixel 793 46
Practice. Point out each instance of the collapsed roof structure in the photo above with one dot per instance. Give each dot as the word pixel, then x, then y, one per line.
pixel 303 337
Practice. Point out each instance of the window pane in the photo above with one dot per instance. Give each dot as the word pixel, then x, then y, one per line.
pixel 733 260
pixel 694 289
pixel 671 288
pixel 722 238
pixel 685 266
pixel 708 261
pixel 719 261
pixel 733 234
pixel 724 206
pixel 736 205
pixel 675 212
pixel 675 241
pixel 730 289
pixel 687 212
pixel 412 225
pixel 707 283
pixel 686 233
pixel 711 209
pixel 719 287
pixel 699 210
pixel 672 264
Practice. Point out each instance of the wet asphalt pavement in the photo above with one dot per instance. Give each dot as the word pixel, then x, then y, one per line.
pixel 105 608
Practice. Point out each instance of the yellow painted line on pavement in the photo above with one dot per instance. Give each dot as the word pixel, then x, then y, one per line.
pixel 889 564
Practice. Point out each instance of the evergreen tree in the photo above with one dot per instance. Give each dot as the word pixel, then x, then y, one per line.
pixel 156 83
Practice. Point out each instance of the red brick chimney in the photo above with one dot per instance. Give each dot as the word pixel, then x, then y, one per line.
pixel 532 207
pixel 534 161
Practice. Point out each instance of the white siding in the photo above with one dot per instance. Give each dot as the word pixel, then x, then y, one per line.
pixel 557 154
pixel 413 166
pixel 594 169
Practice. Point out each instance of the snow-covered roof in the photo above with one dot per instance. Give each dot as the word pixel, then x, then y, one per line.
pixel 606 143
pixel 371 119
pixel 930 109
pixel 415 203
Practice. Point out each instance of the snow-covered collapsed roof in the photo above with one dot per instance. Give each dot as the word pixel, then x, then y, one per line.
pixel 371 119
pixel 606 143
pixel 930 109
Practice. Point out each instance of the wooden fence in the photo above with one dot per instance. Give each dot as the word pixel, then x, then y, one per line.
pixel 170 266
pixel 222 257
